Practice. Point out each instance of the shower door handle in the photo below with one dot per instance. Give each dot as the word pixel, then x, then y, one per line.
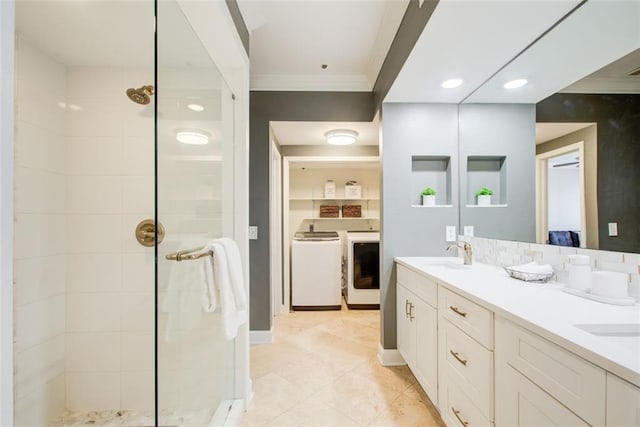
pixel 146 233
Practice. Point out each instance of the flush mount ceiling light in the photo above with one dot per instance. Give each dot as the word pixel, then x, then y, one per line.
pixel 195 107
pixel 192 136
pixel 451 83
pixel 341 136
pixel 514 84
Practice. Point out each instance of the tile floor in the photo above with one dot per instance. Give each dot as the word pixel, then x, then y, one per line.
pixel 322 370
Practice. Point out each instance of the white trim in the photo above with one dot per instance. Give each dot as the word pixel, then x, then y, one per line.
pixel 261 337
pixel 311 82
pixel 542 220
pixel 7 50
pixel 390 357
pixel 275 227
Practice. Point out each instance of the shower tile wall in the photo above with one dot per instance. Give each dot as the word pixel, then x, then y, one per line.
pixel 84 286
pixel 110 300
pixel 40 245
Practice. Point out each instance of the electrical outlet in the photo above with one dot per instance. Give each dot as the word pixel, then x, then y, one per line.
pixel 613 229
pixel 253 232
pixel 451 233
pixel 468 230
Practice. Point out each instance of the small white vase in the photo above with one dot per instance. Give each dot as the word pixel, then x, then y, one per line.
pixel 484 200
pixel 428 200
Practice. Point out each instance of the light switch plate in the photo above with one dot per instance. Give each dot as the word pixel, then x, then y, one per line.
pixel 253 232
pixel 613 229
pixel 451 233
pixel 468 230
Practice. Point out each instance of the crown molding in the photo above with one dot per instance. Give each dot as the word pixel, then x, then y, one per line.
pixel 311 82
pixel 605 85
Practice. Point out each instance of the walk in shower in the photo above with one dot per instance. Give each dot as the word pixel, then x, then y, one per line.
pixel 124 154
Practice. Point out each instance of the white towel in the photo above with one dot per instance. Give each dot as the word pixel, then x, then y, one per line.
pixel 235 272
pixel 533 267
pixel 232 316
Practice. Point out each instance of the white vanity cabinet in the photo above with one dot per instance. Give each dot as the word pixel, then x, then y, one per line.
pixel 417 319
pixel 538 382
pixel 465 348
pixel 623 403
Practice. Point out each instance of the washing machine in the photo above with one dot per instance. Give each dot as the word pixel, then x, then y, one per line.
pixel 363 270
pixel 316 271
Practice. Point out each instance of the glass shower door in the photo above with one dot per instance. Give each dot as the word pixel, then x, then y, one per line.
pixel 195 364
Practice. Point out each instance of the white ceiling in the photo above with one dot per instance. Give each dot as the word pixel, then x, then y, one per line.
pixel 290 40
pixel 312 133
pixel 548 131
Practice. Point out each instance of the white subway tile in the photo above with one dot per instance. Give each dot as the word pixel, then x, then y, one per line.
pixel 41 112
pixel 138 272
pixel 138 194
pixel 138 351
pixel 39 191
pixel 606 255
pixel 99 312
pixel 94 273
pixel 137 119
pixel 38 365
pixel 38 235
pixel 38 148
pixel 94 233
pixel 81 83
pixel 138 155
pixel 94 194
pixel 93 352
pixel 38 279
pixel 38 322
pixel 95 118
pixel 616 266
pixel 94 391
pixel 138 312
pixel 94 156
pixel 42 406
pixel 38 72
pixel 138 390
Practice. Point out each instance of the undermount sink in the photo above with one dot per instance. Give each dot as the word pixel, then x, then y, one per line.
pixel 443 260
pixel 612 329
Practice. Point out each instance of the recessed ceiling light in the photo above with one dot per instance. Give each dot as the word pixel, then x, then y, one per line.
pixel 341 136
pixel 192 136
pixel 514 84
pixel 195 107
pixel 451 83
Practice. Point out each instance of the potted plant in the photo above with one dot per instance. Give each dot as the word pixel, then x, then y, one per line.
pixel 484 196
pixel 428 197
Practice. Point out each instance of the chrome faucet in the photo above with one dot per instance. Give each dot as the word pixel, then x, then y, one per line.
pixel 468 253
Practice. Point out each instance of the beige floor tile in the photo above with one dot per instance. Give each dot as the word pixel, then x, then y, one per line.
pixel 322 370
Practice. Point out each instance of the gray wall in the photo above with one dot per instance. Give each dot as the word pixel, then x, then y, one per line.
pixel 501 130
pixel 266 106
pixel 412 130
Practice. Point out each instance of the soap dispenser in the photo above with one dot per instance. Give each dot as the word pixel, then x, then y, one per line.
pixel 579 273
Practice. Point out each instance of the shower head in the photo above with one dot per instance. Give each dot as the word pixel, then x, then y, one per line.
pixel 141 95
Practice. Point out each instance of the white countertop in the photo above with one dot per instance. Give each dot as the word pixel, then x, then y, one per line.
pixel 545 310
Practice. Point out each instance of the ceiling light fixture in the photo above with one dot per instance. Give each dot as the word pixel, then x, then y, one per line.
pixel 192 136
pixel 451 83
pixel 341 136
pixel 195 107
pixel 514 84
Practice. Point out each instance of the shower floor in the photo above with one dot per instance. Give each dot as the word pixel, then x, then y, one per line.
pixel 122 418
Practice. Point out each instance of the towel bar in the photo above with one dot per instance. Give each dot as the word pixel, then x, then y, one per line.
pixel 188 254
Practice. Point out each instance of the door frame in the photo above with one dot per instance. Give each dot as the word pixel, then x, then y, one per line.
pixel 542 182
pixel 275 230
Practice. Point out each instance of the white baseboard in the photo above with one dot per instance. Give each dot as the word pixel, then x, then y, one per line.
pixel 390 357
pixel 260 337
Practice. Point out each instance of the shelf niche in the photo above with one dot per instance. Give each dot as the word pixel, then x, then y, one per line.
pixel 487 171
pixel 434 172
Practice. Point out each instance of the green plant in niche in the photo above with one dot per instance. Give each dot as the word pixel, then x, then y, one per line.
pixel 484 191
pixel 428 192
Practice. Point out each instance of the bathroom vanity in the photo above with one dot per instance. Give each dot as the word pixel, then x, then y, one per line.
pixel 492 350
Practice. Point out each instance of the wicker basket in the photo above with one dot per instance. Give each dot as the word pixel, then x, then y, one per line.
pixel 351 211
pixel 329 211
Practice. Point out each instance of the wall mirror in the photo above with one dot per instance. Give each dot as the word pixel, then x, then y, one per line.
pixel 583 84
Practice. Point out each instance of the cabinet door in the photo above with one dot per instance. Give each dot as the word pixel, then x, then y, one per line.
pixel 623 403
pixel 406 335
pixel 426 364
pixel 520 403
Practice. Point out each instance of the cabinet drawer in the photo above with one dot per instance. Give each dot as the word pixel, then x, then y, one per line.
pixel 423 287
pixel 469 364
pixel 623 403
pixel 576 383
pixel 457 409
pixel 474 320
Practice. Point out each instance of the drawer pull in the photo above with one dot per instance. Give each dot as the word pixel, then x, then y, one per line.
pixel 411 316
pixel 406 308
pixel 458 358
pixel 457 414
pixel 457 311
